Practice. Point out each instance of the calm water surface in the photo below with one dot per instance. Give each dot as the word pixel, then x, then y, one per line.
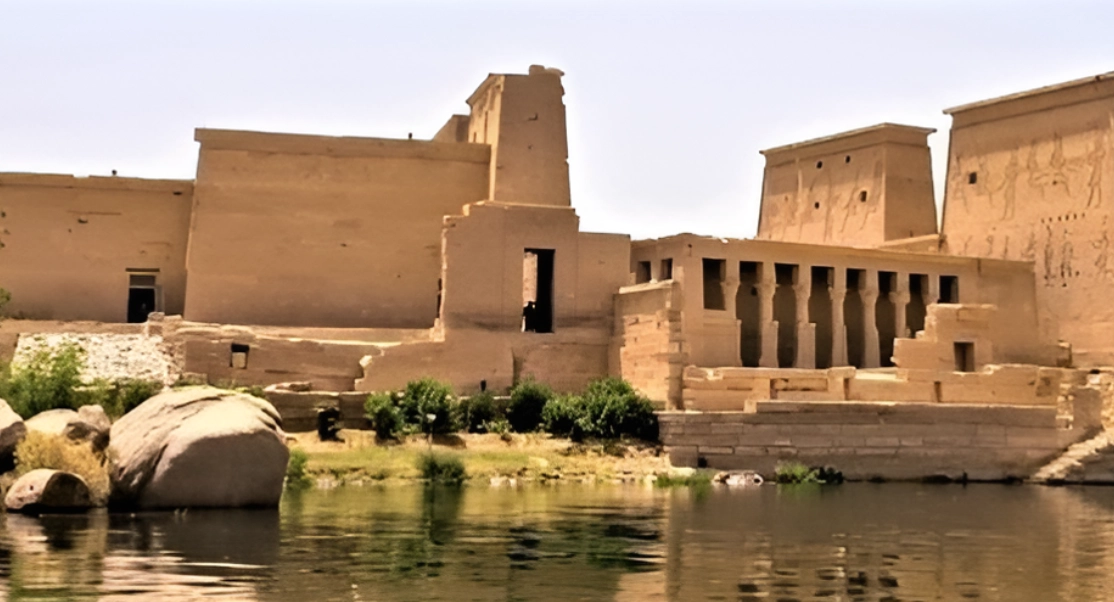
pixel 573 542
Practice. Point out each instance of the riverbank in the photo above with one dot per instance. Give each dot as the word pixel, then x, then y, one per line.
pixel 358 459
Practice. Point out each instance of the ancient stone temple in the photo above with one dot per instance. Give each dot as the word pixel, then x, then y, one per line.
pixel 360 263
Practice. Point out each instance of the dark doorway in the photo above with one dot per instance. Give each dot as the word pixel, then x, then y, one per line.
pixel 885 317
pixel 916 311
pixel 749 312
pixel 714 275
pixel 537 290
pixel 949 289
pixel 853 318
pixel 143 297
pixel 820 314
pixel 785 312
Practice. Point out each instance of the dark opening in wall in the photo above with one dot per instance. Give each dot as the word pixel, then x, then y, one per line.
pixel 885 317
pixel 667 269
pixel 537 290
pixel 143 296
pixel 820 314
pixel 915 312
pixel 973 177
pixel 642 272
pixel 748 309
pixel 862 196
pixel 239 356
pixel 949 289
pixel 964 357
pixel 785 312
pixel 853 317
pixel 847 159
pixel 714 275
pixel 819 164
pixel 816 205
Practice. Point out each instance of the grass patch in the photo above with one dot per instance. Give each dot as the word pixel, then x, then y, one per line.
pixel 795 473
pixel 39 450
pixel 697 479
pixel 296 476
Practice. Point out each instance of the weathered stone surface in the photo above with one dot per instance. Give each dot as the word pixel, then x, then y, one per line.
pixel 198 447
pixel 51 422
pixel 12 431
pixel 90 424
pixel 46 489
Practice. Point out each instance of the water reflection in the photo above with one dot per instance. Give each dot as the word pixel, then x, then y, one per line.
pixel 855 542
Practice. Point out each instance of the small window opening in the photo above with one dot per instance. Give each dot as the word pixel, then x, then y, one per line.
pixel 972 177
pixel 819 164
pixel 143 297
pixel 862 196
pixel 715 272
pixel 847 159
pixel 964 357
pixel 667 269
pixel 239 356
pixel 642 272
pixel 816 205
pixel 537 290
pixel 949 289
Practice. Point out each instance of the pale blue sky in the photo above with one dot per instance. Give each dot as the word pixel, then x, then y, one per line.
pixel 668 103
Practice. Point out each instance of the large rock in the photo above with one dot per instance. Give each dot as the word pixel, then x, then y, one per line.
pixel 198 447
pixel 89 424
pixel 12 431
pixel 48 490
pixel 51 422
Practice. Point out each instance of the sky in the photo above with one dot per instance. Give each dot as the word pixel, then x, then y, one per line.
pixel 668 103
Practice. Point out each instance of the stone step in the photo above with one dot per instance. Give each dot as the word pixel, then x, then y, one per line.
pixel 1072 465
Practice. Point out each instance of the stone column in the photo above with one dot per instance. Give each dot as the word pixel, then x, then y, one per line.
pixel 900 297
pixel 931 292
pixel 869 294
pixel 730 292
pixel 806 330
pixel 838 292
pixel 767 286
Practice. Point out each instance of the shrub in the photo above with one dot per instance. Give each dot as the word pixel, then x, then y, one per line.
pixel 48 380
pixel 795 473
pixel 560 414
pixel 428 397
pixel 296 469
pixel 442 468
pixel 5 299
pixel 119 397
pixel 528 400
pixel 40 450
pixel 475 413
pixel 384 415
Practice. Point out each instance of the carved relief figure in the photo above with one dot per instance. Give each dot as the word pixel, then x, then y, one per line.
pixel 1102 248
pixel 1029 253
pixel 1066 270
pixel 1049 256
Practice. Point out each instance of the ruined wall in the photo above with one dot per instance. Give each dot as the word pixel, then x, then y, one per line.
pixel 859 188
pixel 1027 180
pixel 66 243
pixel 309 230
pixel 649 340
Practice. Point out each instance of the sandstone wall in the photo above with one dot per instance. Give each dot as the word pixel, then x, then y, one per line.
pixel 1029 179
pixel 648 336
pixel 872 440
pixel 67 244
pixel 317 231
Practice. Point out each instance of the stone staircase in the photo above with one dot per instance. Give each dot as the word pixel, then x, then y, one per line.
pixel 1090 461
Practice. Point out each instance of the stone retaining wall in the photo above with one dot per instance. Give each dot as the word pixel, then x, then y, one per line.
pixel 868 440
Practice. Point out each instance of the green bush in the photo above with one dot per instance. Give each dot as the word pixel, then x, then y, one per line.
pixel 49 379
pixel 442 468
pixel 560 414
pixel 428 397
pixel 528 400
pixel 5 299
pixel 384 415
pixel 609 408
pixel 120 396
pixel 296 469
pixel 475 413
pixel 795 473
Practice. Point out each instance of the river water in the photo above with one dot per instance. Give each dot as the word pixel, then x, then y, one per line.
pixel 579 542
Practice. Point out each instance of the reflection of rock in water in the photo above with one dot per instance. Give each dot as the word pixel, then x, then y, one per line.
pixel 56 554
